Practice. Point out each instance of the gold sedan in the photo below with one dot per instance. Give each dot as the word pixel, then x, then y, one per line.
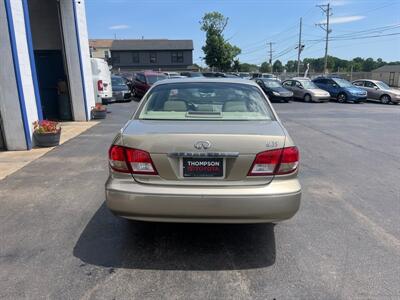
pixel 204 150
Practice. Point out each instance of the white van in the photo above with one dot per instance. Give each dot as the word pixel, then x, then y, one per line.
pixel 101 81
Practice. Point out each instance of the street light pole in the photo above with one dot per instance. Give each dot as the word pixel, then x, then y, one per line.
pixel 300 48
pixel 325 26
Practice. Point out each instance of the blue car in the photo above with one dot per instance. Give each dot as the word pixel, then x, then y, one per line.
pixel 341 89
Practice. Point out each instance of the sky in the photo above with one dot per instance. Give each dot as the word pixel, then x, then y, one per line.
pixel 364 28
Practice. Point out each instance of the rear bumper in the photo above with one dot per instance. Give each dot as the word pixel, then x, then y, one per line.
pixel 106 101
pixel 276 201
pixel 122 96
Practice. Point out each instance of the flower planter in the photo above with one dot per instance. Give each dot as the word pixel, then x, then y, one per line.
pixel 99 114
pixel 50 139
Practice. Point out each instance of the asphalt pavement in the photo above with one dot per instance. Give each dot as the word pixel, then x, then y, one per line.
pixel 58 240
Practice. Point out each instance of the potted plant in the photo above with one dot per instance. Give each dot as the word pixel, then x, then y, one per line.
pixel 99 111
pixel 47 133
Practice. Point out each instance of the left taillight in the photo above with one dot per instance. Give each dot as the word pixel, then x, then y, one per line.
pixel 129 160
pixel 275 162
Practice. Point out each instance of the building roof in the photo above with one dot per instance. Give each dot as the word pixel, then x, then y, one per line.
pixel 160 44
pixel 388 68
pixel 101 43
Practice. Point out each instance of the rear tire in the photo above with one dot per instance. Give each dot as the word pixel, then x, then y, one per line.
pixel 307 98
pixel 342 98
pixel 385 99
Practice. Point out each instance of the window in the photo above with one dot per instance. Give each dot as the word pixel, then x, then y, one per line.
pixel 135 57
pixel 205 101
pixel 154 78
pixel 298 84
pixel 141 78
pixel 320 81
pixel 370 84
pixel 358 83
pixel 153 57
pixel 287 83
pixel 115 58
pixel 106 54
pixel 177 57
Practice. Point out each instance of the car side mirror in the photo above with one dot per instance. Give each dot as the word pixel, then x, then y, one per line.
pixel 334 85
pixel 376 88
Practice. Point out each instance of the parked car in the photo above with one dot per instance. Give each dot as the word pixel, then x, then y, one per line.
pixel 144 80
pixel 244 75
pixel 274 90
pixel 192 74
pixel 121 91
pixel 171 74
pixel 204 150
pixel 101 81
pixel 213 74
pixel 341 89
pixel 265 75
pixel 177 76
pixel 378 91
pixel 305 89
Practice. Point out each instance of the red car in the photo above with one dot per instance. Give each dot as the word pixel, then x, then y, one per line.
pixel 144 80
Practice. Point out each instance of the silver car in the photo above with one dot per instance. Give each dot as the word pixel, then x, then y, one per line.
pixel 378 91
pixel 204 150
pixel 305 89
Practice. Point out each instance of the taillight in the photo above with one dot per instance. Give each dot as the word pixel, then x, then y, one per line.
pixel 275 162
pixel 100 85
pixel 128 160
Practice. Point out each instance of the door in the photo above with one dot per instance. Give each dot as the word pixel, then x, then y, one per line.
pixel 298 89
pixel 50 72
pixel 332 87
pixel 140 85
pixel 391 78
pixel 289 85
pixel 372 90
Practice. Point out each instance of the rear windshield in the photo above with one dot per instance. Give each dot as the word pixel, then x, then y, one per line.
pixel 205 101
pixel 117 81
pixel 272 83
pixel 153 78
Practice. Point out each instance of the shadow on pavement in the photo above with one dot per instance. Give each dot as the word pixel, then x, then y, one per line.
pixel 109 241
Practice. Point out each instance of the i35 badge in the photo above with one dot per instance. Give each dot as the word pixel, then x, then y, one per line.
pixel 202 145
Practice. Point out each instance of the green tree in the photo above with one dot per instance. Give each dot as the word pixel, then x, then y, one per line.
pixel 265 67
pixel 369 64
pixel 218 52
pixel 245 67
pixel 277 66
pixel 291 66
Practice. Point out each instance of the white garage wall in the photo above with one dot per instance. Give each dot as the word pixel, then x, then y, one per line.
pixel 16 104
pixel 79 70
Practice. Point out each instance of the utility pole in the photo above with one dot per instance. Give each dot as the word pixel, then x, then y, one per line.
pixel 270 55
pixel 299 49
pixel 325 26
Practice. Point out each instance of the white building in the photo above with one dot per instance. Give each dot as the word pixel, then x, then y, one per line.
pixel 42 43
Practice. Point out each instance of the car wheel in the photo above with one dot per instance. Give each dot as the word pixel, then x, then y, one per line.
pixel 307 98
pixel 342 98
pixel 385 99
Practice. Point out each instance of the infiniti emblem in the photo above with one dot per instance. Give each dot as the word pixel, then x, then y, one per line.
pixel 202 145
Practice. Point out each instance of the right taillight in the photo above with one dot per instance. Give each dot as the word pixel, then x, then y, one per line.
pixel 275 162
pixel 100 86
pixel 129 160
